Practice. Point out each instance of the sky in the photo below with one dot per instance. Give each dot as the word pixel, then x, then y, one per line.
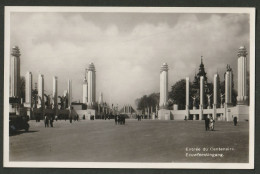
pixel 127 49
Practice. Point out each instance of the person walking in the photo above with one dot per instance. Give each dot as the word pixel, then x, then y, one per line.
pixel 235 121
pixel 51 121
pixel 211 123
pixel 116 119
pixel 207 123
pixel 46 121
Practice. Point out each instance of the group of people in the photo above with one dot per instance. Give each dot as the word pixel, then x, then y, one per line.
pixel 209 123
pixel 48 120
pixel 139 117
pixel 119 119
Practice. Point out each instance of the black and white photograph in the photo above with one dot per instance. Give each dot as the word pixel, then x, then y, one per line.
pixel 129 87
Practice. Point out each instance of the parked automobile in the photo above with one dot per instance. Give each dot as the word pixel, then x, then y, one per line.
pixel 17 123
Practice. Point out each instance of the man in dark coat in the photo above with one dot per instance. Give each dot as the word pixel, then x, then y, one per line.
pixel 51 121
pixel 235 121
pixel 116 119
pixel 46 121
pixel 207 123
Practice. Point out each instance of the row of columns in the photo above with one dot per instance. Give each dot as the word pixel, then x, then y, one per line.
pixel 28 91
pixel 242 85
pixel 127 109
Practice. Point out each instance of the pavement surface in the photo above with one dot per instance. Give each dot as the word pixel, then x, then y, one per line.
pixel 136 141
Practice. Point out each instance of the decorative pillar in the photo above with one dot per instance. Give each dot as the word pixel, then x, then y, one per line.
pixel 215 91
pixel 187 97
pixel 228 87
pixel 100 98
pixel 187 92
pixel 85 91
pixel 215 95
pixel 40 91
pixel 164 85
pixel 28 89
pixel 242 98
pixel 201 97
pixel 55 93
pixel 148 113
pixel 28 93
pixel 15 72
pixel 69 93
pixel 98 108
pixel 91 84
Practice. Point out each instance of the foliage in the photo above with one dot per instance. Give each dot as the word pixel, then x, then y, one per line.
pixel 147 101
pixel 178 93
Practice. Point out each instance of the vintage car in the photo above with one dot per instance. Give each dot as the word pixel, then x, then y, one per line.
pixel 17 123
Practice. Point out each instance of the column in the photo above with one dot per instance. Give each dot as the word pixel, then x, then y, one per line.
pixel 215 95
pixel 201 97
pixel 228 88
pixel 242 98
pixel 28 89
pixel 101 98
pixel 55 92
pixel 187 92
pixel 69 93
pixel 85 91
pixel 91 84
pixel 40 91
pixel 164 85
pixel 148 113
pixel 99 109
pixel 15 72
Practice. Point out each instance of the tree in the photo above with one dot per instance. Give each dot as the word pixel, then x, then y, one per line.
pixel 147 101
pixel 178 93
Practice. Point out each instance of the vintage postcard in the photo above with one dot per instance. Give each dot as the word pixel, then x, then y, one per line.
pixel 129 87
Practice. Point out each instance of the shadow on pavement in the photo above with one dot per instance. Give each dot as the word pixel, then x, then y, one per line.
pixel 21 132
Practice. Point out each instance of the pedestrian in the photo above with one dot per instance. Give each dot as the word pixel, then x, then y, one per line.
pixel 207 123
pixel 51 121
pixel 46 121
pixel 211 124
pixel 84 117
pixel 116 119
pixel 235 121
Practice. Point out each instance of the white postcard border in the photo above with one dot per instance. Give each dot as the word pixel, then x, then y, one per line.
pixel 250 165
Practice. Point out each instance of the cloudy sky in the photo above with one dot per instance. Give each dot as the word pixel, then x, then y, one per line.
pixel 126 48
